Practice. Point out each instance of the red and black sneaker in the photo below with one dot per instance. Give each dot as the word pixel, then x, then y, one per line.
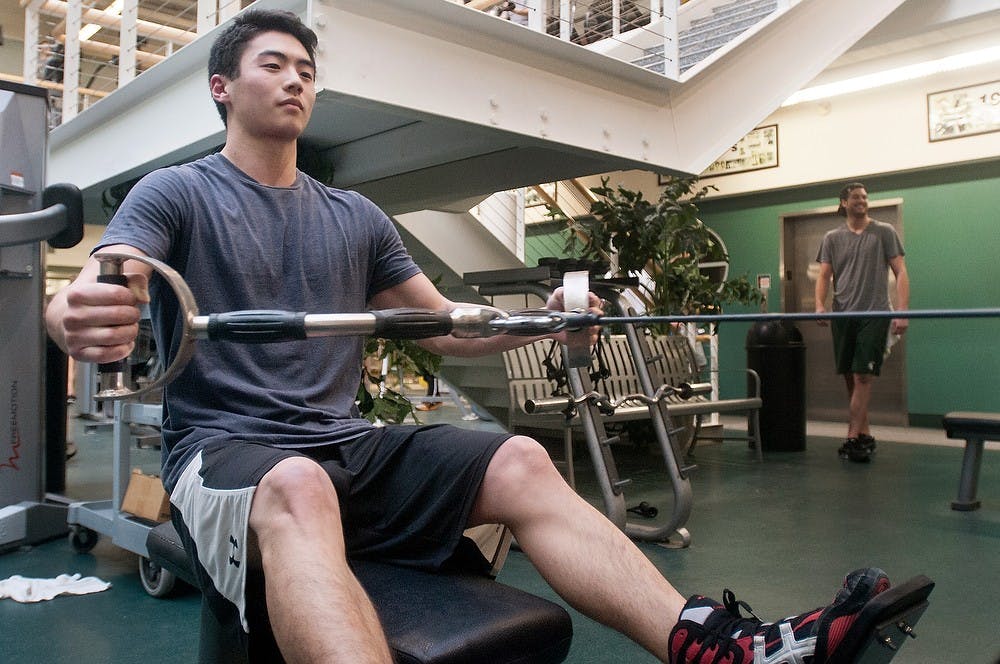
pixel 710 633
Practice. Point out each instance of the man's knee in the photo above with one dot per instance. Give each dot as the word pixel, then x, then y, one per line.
pixel 522 456
pixel 298 489
pixel 519 463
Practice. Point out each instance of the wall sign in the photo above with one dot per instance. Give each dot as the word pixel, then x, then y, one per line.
pixel 757 150
pixel 974 109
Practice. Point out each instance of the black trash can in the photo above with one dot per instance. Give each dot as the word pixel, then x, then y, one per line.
pixel 776 352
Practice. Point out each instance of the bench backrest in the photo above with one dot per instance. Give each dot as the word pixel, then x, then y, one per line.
pixel 527 375
pixel 671 362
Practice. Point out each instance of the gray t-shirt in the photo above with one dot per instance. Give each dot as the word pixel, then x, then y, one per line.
pixel 860 263
pixel 243 245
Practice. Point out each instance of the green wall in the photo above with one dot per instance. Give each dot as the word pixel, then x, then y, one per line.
pixel 542 240
pixel 951 229
pixel 951 233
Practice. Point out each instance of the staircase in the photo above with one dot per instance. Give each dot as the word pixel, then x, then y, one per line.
pixel 446 245
pixel 707 34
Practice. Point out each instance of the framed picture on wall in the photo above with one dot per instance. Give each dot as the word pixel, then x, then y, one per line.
pixel 974 109
pixel 755 151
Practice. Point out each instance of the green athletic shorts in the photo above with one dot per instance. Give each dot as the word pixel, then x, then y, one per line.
pixel 859 344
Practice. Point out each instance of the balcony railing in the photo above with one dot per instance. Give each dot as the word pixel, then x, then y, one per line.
pixel 83 50
pixel 634 25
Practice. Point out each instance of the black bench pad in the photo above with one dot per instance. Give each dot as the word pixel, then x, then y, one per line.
pixel 435 618
pixel 963 424
pixel 463 618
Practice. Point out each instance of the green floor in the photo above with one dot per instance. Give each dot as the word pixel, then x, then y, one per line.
pixel 780 534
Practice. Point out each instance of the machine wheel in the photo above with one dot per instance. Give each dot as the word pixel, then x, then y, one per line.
pixel 82 539
pixel 157 581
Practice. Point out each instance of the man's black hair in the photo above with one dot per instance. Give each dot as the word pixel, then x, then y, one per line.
pixel 845 193
pixel 227 51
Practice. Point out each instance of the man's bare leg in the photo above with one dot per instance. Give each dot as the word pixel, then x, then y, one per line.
pixel 861 396
pixel 318 610
pixel 582 555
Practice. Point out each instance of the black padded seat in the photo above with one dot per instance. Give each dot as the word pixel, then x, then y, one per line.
pixel 428 618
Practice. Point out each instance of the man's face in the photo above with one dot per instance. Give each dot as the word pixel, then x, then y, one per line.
pixel 274 94
pixel 856 203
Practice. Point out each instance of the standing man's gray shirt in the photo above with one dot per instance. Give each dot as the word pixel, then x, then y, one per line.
pixel 860 265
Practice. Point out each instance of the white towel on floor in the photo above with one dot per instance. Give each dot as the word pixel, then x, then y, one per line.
pixel 21 589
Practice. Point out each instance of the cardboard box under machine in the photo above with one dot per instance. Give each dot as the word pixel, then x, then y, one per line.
pixel 146 498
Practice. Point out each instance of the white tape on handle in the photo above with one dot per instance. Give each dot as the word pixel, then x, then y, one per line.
pixel 576 297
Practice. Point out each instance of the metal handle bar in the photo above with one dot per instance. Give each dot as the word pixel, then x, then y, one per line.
pixel 465 321
pixel 535 322
pixel 542 321
pixel 60 221
pixel 273 326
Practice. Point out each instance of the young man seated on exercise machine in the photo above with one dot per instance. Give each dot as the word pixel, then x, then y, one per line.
pixel 265 458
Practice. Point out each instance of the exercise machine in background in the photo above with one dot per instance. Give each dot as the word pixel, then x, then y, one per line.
pixel 32 369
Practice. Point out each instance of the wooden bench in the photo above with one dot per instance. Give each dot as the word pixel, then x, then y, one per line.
pixel 975 429
pixel 670 361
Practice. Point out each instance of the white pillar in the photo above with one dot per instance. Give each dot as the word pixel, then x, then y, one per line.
pixel 536 15
pixel 71 61
pixel 207 11
pixel 228 9
pixel 565 20
pixel 31 42
pixel 519 227
pixel 654 10
pixel 127 41
pixel 671 56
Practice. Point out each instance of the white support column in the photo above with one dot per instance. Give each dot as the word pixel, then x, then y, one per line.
pixel 519 228
pixel 616 17
pixel 207 15
pixel 654 11
pixel 127 41
pixel 30 72
pixel 71 61
pixel 565 20
pixel 536 15
pixel 671 55
pixel 713 365
pixel 228 9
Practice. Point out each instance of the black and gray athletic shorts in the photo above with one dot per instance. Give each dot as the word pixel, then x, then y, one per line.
pixel 406 493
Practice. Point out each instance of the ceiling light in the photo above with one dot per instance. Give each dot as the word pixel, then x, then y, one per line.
pixel 897 75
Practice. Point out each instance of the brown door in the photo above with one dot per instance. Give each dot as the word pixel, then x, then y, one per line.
pixel 826 394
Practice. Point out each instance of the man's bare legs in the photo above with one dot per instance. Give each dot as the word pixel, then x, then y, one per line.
pixel 859 394
pixel 585 558
pixel 318 610
pixel 582 555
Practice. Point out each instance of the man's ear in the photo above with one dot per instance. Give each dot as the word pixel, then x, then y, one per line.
pixel 219 86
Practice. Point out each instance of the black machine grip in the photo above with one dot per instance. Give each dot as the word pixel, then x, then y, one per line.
pixel 118 280
pixel 257 327
pixel 411 323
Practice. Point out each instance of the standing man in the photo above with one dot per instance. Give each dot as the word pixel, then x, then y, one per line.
pixel 265 458
pixel 857 257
